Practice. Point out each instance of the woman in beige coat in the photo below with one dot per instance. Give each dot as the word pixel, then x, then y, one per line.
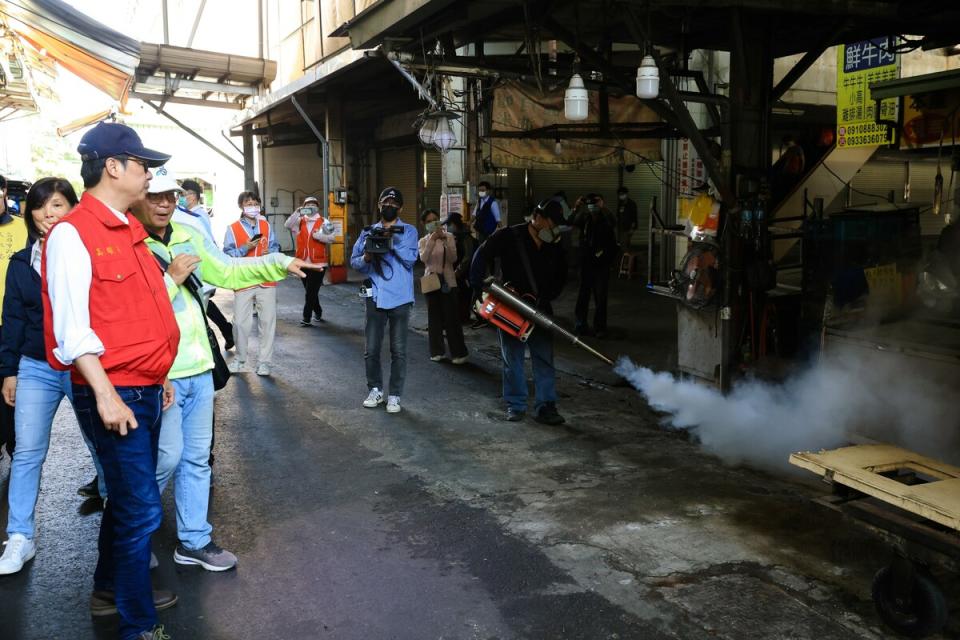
pixel 438 252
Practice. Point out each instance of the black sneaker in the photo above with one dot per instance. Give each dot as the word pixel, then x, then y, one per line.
pixel 515 415
pixel 305 323
pixel 227 344
pixel 318 317
pixel 91 489
pixel 548 414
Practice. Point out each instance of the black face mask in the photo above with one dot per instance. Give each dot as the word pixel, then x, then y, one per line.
pixel 389 213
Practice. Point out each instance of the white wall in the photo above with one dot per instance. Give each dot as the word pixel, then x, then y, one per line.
pixel 289 174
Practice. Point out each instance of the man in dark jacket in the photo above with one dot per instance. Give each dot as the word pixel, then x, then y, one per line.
pixel 532 263
pixel 598 248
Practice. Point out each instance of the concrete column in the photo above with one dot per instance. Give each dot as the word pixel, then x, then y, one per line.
pixel 249 175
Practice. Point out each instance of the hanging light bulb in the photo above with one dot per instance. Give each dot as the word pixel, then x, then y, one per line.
pixel 648 78
pixel 444 138
pixel 557 145
pixel 576 100
pixel 427 131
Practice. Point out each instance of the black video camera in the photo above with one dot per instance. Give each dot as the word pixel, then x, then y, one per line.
pixel 379 240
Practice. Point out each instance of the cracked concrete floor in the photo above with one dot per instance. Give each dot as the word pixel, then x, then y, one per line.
pixel 447 522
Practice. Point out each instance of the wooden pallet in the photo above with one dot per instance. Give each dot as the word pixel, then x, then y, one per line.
pixel 866 468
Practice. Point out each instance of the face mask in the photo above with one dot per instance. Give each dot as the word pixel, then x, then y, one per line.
pixel 389 213
pixel 430 227
pixel 549 235
pixel 482 194
pixel 182 202
pixel 623 196
pixel 251 212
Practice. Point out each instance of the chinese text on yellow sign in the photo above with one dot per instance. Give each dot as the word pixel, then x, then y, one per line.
pixel 860 64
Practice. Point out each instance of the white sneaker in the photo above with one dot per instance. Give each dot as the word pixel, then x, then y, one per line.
pixel 19 550
pixel 393 404
pixel 237 366
pixel 263 369
pixel 373 399
pixel 460 360
pixel 438 358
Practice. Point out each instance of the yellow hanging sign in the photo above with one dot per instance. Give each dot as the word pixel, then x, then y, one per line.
pixel 859 65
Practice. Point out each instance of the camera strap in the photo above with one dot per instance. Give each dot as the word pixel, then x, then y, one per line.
pixel 525 259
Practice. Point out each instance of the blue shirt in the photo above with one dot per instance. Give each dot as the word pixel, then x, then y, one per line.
pixel 395 286
pixel 197 219
pixel 252 228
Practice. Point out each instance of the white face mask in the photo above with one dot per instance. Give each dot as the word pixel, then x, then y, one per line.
pixel 623 196
pixel 251 212
pixel 482 194
pixel 549 235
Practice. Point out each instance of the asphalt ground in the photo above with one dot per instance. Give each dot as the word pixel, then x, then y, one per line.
pixel 447 522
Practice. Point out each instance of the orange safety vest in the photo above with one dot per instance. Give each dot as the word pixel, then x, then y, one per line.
pixel 242 237
pixel 308 247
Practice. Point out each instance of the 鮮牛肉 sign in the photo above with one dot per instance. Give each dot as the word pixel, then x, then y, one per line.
pixel 860 64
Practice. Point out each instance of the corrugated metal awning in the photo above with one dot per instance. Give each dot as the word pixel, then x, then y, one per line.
pixel 103 57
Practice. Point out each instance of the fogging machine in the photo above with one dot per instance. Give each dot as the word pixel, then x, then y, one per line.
pixel 505 309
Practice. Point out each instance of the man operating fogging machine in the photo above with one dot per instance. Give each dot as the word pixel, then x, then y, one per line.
pixel 534 266
pixel 386 253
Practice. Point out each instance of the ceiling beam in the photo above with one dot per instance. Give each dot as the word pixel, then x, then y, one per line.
pixel 220 104
pixel 197 85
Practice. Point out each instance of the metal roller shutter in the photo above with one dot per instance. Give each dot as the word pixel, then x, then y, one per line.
pixel 398 168
pixel 431 186
pixel 876 180
pixel 643 184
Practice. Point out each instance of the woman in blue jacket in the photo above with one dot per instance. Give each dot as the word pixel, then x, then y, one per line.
pixel 30 385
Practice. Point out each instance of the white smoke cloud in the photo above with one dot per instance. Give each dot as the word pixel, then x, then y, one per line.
pixel 761 424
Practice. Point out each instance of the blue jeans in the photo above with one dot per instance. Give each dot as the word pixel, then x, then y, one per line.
pixel 40 389
pixel 185 440
pixel 133 511
pixel 513 351
pixel 377 319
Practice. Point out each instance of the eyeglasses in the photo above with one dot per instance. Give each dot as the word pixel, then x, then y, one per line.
pixel 160 198
pixel 142 163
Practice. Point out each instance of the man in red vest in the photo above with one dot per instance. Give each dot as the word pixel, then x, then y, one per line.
pixel 108 319
pixel 251 237
pixel 314 234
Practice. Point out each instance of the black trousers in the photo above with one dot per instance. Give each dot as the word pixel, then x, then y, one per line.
pixel 226 329
pixel 594 282
pixel 443 317
pixel 312 284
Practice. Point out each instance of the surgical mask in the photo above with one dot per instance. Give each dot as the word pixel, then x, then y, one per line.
pixel 549 235
pixel 389 213
pixel 623 196
pixel 430 227
pixel 482 194
pixel 251 212
pixel 182 202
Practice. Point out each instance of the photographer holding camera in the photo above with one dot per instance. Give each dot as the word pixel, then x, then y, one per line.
pixel 313 233
pixel 386 253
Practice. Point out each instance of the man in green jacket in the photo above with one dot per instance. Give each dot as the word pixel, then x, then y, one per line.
pixel 187 427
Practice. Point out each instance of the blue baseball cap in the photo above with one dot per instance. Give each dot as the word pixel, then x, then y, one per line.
pixel 111 139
